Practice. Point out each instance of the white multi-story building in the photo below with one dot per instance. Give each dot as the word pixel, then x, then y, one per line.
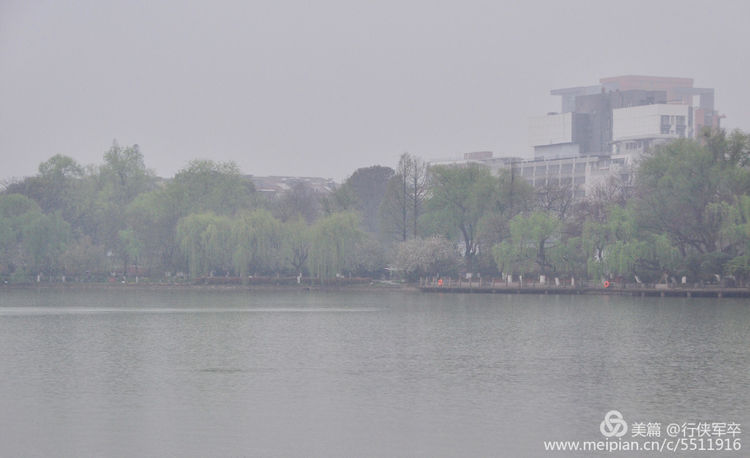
pixel 609 127
pixel 636 130
pixel 602 131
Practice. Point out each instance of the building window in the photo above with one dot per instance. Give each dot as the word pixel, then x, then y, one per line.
pixel 528 171
pixel 541 170
pixel 567 169
pixel 665 125
pixel 579 180
pixel 580 167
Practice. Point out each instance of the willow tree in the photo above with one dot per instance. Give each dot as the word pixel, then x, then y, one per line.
pixel 206 242
pixel 334 245
pixel 651 258
pixel 257 243
pixel 616 224
pixel 737 232
pixel 527 251
pixel 202 187
pixel 297 244
pixel 460 197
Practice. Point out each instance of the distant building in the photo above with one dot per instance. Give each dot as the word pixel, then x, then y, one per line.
pixel 578 173
pixel 479 157
pixel 622 114
pixel 602 130
pixel 273 186
pixel 615 122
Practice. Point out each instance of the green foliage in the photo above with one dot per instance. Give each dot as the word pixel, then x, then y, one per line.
pixel 258 238
pixel 600 237
pixel 368 186
pixel 210 186
pixel 683 190
pixel 203 187
pixel 739 267
pixel 62 186
pixel 13 206
pixel 82 256
pixel 44 240
pixel 59 167
pixel 121 178
pixel 393 214
pixel 153 218
pixel 568 257
pixel 205 241
pixel 334 245
pixel 343 199
pixel 299 202
pixel 124 175
pixel 688 214
pixel 650 258
pixel 369 257
pixel 460 197
pixel 16 213
pixel 732 149
pixel 30 240
pixel 297 242
pixel 531 237
pixel 130 246
pixel 404 195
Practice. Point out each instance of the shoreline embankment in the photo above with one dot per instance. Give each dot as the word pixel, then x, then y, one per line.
pixel 380 286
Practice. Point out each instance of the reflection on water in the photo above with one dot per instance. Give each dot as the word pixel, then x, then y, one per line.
pixel 234 373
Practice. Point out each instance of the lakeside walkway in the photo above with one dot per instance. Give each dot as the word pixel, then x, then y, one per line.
pixel 452 286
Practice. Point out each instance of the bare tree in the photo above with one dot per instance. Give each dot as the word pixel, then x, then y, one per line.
pixel 418 189
pixel 404 197
pixel 555 199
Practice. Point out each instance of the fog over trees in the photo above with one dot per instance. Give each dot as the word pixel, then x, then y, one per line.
pixel 688 214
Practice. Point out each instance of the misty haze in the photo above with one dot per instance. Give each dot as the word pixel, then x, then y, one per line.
pixel 374 228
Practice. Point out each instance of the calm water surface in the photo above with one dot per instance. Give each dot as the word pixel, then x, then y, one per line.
pixel 143 373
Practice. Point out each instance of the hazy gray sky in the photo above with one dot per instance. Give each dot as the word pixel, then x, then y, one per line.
pixel 323 87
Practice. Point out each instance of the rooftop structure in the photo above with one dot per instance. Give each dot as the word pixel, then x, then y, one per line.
pixel 602 130
pixel 276 185
pixel 593 118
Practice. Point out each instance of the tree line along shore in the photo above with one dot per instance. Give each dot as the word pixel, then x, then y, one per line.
pixel 685 218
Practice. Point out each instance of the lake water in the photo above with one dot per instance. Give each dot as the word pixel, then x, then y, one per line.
pixel 230 373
